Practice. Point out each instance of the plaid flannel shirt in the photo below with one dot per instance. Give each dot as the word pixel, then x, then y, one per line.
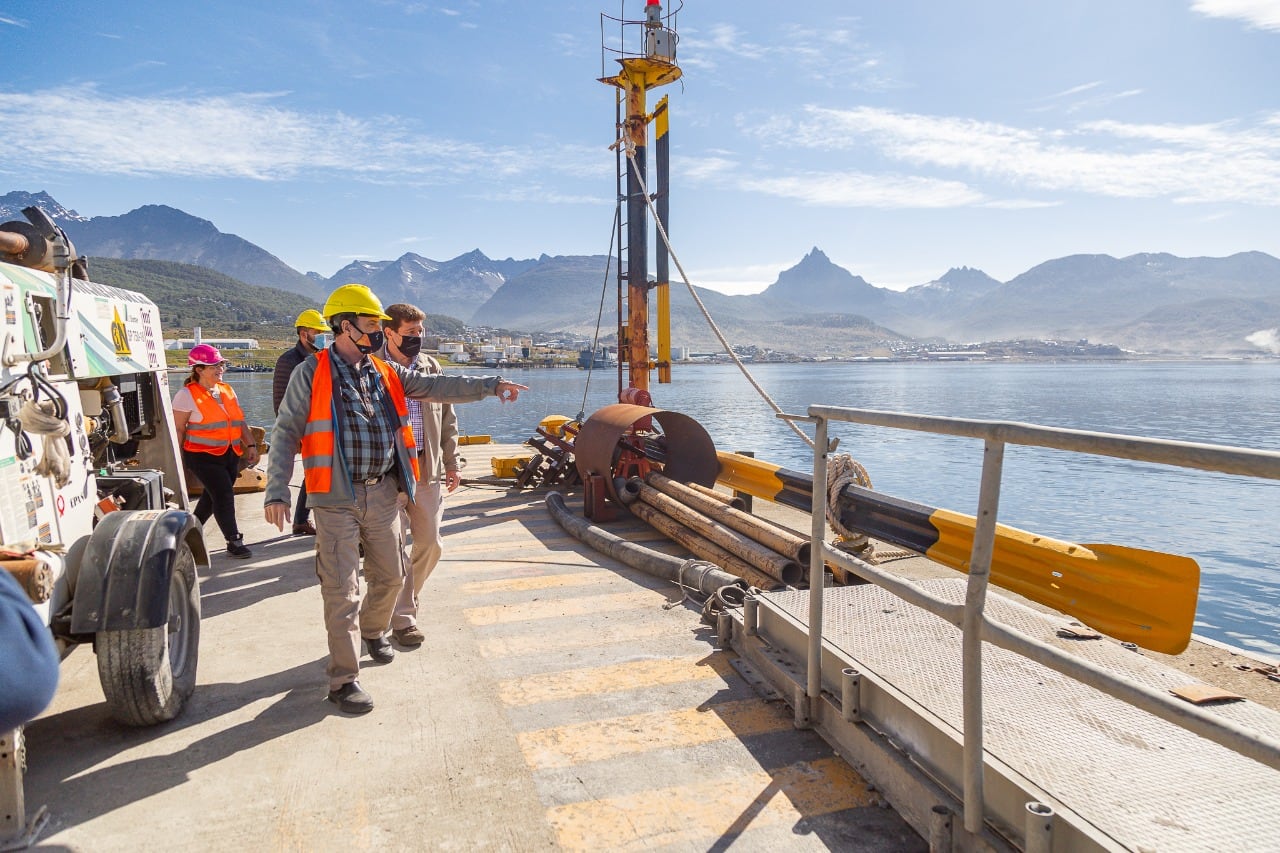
pixel 368 435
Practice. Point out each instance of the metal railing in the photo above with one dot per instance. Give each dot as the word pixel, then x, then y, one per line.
pixel 970 616
pixel 632 31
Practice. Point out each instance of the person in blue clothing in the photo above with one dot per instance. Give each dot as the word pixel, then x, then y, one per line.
pixel 28 658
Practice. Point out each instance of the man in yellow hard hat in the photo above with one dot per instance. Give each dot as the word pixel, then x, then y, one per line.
pixel 308 325
pixel 346 411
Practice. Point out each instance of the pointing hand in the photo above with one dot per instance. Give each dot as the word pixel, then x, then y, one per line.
pixel 509 391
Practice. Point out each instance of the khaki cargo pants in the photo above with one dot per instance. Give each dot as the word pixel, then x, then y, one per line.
pixel 371 522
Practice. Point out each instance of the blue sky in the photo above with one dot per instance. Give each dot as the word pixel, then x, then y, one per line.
pixel 902 138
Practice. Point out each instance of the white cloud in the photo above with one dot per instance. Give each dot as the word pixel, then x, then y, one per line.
pixel 1223 162
pixel 243 136
pixel 854 189
pixel 541 195
pixel 834 189
pixel 1076 90
pixel 1268 339
pixel 1262 14
pixel 704 169
pixel 833 55
pixel 735 280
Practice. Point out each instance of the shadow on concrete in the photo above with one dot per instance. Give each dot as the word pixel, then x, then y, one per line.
pixel 793 759
pixel 279 566
pixel 63 746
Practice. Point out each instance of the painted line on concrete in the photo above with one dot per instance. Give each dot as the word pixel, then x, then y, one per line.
pixel 575 636
pixel 719 809
pixel 513 566
pixel 540 582
pixel 557 607
pixel 600 740
pixel 633 675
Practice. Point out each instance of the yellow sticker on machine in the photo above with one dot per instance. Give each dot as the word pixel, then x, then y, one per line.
pixel 119 336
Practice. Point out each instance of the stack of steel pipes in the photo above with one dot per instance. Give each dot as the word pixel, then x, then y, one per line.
pixel 706 522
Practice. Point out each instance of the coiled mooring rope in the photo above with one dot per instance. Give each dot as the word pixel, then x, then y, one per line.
pixel 40 418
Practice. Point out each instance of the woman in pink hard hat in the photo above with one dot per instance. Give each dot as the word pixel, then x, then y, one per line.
pixel 214 436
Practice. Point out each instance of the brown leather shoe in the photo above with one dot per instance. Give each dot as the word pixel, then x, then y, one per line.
pixel 307 529
pixel 410 636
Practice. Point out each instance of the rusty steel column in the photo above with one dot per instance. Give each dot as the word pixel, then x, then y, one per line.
pixel 637 343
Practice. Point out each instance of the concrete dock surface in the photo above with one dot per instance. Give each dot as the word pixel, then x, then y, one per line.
pixel 562 701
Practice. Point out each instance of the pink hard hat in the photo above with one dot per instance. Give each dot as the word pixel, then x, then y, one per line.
pixel 204 354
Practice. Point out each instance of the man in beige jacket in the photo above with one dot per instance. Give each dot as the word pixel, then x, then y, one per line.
pixel 435 428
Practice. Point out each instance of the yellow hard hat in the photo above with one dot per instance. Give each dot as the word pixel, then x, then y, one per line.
pixel 311 319
pixel 353 299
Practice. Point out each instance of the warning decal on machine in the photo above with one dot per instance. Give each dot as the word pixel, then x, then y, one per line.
pixel 119 335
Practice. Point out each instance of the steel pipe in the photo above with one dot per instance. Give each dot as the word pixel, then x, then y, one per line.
pixel 1184 454
pixel 940 830
pixel 751 615
pixel 13 243
pixel 665 567
pixel 1039 830
pixel 766 533
pixel 724 631
pixel 850 695
pixel 703 548
pixel 775 565
pixel 729 500
pixel 971 640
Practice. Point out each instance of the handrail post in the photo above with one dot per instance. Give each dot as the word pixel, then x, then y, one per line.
pixel 817 566
pixel 984 537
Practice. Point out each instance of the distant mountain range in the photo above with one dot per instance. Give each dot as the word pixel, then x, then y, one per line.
pixel 1147 302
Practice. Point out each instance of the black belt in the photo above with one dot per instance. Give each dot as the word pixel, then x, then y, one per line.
pixel 371 481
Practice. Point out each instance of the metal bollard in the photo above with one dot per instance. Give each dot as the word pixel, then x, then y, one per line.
pixel 850 697
pixel 750 615
pixel 940 830
pixel 801 700
pixel 724 630
pixel 1039 828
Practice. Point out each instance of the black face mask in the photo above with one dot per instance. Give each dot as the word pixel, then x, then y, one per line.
pixel 375 341
pixel 410 346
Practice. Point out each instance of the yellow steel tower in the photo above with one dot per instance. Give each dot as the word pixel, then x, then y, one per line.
pixel 653 65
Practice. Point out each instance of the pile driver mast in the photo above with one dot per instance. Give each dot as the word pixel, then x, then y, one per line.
pixel 652 66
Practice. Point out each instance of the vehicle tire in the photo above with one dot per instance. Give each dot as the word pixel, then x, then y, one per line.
pixel 147 674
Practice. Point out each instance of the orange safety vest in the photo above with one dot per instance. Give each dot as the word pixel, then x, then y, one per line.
pixel 221 425
pixel 319 436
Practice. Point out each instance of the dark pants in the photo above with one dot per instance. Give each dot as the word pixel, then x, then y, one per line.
pixel 218 476
pixel 300 511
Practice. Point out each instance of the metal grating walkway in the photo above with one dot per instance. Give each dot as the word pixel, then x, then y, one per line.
pixel 1145 783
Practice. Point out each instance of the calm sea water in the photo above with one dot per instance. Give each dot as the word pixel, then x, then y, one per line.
pixel 1229 524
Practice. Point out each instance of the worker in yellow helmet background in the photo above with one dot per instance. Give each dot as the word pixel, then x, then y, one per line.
pixel 309 325
pixel 345 410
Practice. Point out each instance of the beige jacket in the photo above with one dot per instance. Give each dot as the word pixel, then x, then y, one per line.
pixel 439 451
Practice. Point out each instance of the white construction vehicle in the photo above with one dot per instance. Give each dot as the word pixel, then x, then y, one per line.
pixel 95 521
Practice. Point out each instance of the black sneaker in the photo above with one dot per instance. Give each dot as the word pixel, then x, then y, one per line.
pixel 350 698
pixel 380 649
pixel 236 549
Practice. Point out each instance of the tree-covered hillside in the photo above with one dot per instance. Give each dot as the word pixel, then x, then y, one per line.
pixel 223 307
